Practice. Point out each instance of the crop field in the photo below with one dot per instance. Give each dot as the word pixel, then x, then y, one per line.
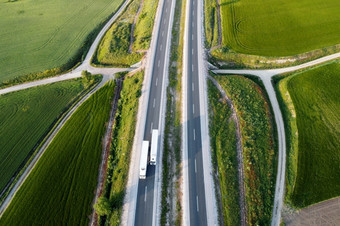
pixel 44 34
pixel 259 156
pixel 279 27
pixel 121 145
pixel 115 49
pixel 315 95
pixel 224 154
pixel 60 189
pixel 27 116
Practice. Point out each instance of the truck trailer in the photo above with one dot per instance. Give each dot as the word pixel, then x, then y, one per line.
pixel 144 160
pixel 154 147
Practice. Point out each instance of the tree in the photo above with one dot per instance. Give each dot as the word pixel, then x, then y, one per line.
pixel 103 206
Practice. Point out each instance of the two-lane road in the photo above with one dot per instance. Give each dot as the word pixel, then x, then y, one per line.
pixel 146 188
pixel 199 201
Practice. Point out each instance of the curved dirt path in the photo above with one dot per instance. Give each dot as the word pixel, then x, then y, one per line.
pixel 266 77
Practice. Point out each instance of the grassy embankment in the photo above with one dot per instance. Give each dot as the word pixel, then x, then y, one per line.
pixel 121 145
pixel 224 155
pixel 60 189
pixel 211 23
pixel 46 36
pixel 172 130
pixel 27 116
pixel 313 161
pixel 114 48
pixel 249 28
pixel 259 157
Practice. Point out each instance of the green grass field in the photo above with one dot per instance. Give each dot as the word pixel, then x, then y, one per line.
pixel 279 28
pixel 259 157
pixel 43 34
pixel 60 189
pixel 27 116
pixel 315 95
pixel 224 154
pixel 121 145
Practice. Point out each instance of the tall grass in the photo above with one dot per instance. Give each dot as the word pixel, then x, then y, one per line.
pixel 114 48
pixel 121 145
pixel 259 156
pixel 224 154
pixel 211 22
pixel 60 189
pixel 143 32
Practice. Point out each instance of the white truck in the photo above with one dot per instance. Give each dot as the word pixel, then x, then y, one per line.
pixel 154 147
pixel 144 160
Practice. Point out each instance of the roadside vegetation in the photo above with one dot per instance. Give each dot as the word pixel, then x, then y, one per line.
pixel 171 207
pixel 60 189
pixel 253 37
pixel 110 204
pixel 144 25
pixel 224 155
pixel 211 22
pixel 312 109
pixel 259 155
pixel 114 48
pixel 44 38
pixel 27 116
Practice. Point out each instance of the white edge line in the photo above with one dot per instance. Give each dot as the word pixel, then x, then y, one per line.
pixel 159 167
pixel 185 178
pixel 209 186
pixel 130 202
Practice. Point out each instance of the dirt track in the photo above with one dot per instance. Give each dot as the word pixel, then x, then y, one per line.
pixel 324 213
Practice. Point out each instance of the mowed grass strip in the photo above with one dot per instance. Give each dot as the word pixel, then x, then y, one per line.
pixel 27 116
pixel 279 27
pixel 315 94
pixel 259 157
pixel 61 188
pixel 43 34
pixel 223 143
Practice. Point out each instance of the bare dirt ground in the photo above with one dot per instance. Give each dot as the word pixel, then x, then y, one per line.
pixel 239 148
pixel 324 213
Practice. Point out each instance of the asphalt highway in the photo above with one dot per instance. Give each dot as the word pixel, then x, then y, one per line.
pixel 145 196
pixel 197 201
